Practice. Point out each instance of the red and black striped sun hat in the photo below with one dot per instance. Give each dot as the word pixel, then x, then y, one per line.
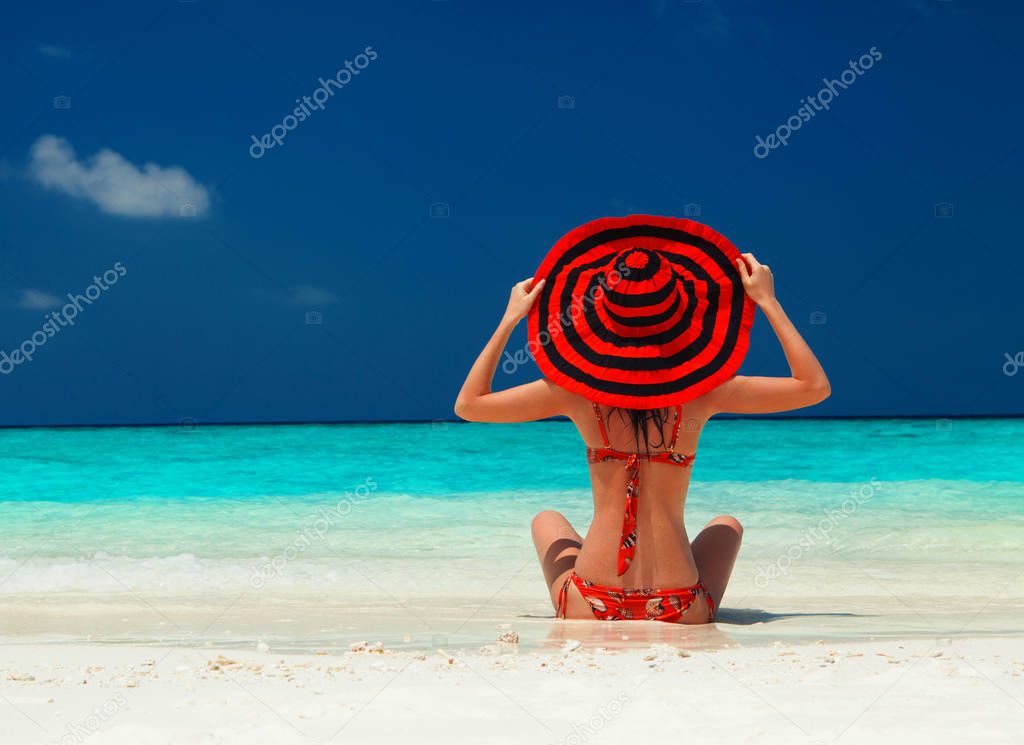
pixel 640 312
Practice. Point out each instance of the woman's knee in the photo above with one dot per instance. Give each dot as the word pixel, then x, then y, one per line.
pixel 728 521
pixel 544 520
pixel 551 529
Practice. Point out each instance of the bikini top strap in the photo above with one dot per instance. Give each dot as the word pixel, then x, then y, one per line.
pixel 600 424
pixel 675 429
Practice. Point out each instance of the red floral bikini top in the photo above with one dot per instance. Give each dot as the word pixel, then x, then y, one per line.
pixel 627 544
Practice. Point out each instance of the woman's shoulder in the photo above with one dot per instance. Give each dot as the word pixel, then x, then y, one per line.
pixel 570 402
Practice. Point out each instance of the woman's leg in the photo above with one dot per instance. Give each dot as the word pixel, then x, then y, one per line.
pixel 714 552
pixel 558 545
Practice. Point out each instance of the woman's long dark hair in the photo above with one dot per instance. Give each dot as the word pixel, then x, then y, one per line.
pixel 639 419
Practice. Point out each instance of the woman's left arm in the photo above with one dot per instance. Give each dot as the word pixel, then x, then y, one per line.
pixel 537 400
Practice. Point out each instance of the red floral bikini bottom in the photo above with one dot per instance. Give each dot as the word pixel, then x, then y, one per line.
pixel 643 604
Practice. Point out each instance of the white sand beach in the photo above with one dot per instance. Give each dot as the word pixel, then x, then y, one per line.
pixel 951 690
pixel 889 654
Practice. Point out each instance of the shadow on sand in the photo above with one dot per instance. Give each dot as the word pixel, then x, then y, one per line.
pixel 751 616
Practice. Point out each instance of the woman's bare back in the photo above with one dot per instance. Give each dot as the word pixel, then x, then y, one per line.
pixel 663 557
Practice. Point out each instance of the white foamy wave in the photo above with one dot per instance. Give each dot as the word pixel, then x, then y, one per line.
pixel 106 574
pixel 185 575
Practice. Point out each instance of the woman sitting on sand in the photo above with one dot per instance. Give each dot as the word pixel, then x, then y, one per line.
pixel 639 325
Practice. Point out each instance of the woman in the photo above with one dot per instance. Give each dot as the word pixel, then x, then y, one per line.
pixel 631 550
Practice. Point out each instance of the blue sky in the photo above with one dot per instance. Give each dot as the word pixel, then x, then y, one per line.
pixel 146 163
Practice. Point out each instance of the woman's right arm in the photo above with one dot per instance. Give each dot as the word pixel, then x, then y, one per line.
pixel 523 403
pixel 807 384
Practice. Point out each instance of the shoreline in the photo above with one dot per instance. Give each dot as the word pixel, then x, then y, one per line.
pixel 417 623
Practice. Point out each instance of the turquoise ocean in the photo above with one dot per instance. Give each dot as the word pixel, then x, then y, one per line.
pixel 318 534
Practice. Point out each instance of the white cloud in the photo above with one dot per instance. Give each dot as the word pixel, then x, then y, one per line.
pixel 115 185
pixel 54 50
pixel 32 299
pixel 310 295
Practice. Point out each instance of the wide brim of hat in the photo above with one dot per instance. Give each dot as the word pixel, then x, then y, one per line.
pixel 574 351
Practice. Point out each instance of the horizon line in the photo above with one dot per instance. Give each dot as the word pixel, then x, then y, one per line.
pixel 189 423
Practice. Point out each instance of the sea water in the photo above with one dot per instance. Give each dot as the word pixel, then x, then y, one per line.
pixel 325 532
